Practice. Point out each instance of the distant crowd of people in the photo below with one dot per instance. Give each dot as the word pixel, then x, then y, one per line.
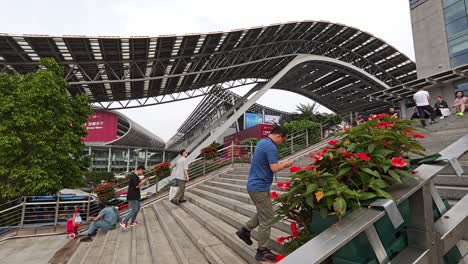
pixel 423 110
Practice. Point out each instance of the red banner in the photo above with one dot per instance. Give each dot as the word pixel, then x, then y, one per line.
pixel 102 127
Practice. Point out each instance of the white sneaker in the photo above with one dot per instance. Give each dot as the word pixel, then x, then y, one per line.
pixel 441 117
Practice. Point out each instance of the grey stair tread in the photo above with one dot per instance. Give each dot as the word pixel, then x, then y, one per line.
pixel 186 251
pixel 80 253
pixel 242 183
pixel 237 195
pixel 161 250
pixel 213 248
pixel 140 242
pixel 245 177
pixel 233 218
pixel 243 208
pixel 454 180
pixel 95 247
pixel 228 186
pixel 107 254
pixel 223 231
pixel 123 254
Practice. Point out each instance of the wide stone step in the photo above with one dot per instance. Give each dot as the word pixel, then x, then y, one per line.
pixel 214 249
pixel 235 219
pixel 452 192
pixel 223 231
pixel 243 208
pixel 452 180
pixel 449 170
pixel 162 250
pixel 176 242
pixel 86 251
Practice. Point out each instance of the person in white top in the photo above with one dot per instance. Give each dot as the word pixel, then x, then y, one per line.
pixel 181 176
pixel 421 98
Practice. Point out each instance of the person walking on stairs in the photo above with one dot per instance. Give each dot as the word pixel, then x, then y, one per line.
pixel 181 176
pixel 421 98
pixel 264 165
pixel 133 197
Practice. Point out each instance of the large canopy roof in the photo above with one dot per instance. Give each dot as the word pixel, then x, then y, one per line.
pixel 119 72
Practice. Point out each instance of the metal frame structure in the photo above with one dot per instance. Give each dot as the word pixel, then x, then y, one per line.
pixel 208 111
pixel 136 71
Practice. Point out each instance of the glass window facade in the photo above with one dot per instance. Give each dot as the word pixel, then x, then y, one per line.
pixel 456 25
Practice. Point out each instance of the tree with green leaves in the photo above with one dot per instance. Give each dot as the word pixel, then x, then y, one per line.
pixel 41 133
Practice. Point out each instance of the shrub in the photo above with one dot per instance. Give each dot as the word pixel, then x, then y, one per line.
pixel 210 151
pixel 162 170
pixel 105 191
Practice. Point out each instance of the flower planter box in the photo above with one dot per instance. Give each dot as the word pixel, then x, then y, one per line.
pixel 394 240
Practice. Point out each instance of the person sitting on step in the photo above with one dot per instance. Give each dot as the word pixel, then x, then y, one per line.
pixel 460 103
pixel 439 105
pixel 106 220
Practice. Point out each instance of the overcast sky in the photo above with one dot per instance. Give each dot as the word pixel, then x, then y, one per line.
pixel 386 19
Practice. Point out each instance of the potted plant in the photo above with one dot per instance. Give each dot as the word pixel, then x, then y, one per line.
pixel 105 191
pixel 210 151
pixel 162 170
pixel 348 173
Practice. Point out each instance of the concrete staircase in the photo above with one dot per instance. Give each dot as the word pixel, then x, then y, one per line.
pixel 202 230
pixel 438 137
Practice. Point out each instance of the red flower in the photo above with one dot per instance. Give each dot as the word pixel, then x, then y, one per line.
pixel 371 117
pixel 416 135
pixel 345 154
pixel 295 169
pixel 363 156
pixel 383 124
pixel 333 142
pixel 399 162
pixel 414 172
pixel 311 167
pixel 407 131
pixel 280 240
pixel 294 229
pixel 380 116
pixel 273 195
pixel 324 150
pixel 278 258
pixel 283 185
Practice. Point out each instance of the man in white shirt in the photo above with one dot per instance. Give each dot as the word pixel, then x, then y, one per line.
pixel 421 98
pixel 181 176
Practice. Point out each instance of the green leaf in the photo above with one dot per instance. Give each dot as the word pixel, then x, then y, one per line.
pixel 383 152
pixel 339 206
pixel 329 193
pixel 386 167
pixel 311 188
pixel 405 173
pixel 371 172
pixel 371 148
pixel 351 193
pixel 384 194
pixel 394 175
pixel 367 195
pixel 379 183
pixel 351 147
pixel 343 171
pixel 310 201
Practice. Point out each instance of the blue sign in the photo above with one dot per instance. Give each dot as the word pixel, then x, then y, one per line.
pixel 252 119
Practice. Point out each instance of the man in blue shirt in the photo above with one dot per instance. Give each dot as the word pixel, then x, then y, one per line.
pixel 106 220
pixel 264 165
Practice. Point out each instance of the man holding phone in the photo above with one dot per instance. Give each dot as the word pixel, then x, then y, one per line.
pixel 133 197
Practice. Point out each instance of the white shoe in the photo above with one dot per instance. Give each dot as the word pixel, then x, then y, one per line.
pixel 441 117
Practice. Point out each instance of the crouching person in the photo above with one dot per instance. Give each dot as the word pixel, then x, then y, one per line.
pixel 106 220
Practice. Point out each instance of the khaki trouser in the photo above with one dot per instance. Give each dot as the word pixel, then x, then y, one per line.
pixel 180 192
pixel 263 218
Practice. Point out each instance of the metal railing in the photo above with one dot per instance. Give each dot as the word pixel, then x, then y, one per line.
pixel 428 241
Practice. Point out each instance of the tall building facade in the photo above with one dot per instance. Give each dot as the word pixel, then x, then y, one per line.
pixel 440 35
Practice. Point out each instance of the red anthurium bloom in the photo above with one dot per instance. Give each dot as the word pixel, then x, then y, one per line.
pixel 310 167
pixel 285 186
pixel 399 162
pixel 273 195
pixel 324 150
pixel 295 169
pixel 333 142
pixel 345 154
pixel 416 135
pixel 363 156
pixel 280 184
pixel 294 229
